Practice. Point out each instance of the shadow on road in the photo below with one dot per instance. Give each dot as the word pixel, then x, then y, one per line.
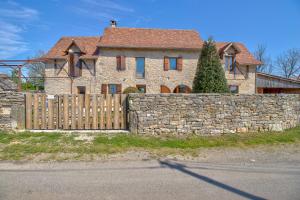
pixel 182 168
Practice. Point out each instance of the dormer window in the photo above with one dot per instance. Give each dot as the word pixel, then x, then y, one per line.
pixel 75 65
pixel 229 52
pixel 230 63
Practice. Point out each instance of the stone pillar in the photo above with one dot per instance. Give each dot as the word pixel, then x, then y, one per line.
pixel 12 110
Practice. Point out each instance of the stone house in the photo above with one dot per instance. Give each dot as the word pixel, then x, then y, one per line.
pixel 153 60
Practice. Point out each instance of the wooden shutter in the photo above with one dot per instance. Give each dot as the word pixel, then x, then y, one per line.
pixel 104 89
pixel 179 64
pixel 166 63
pixel 118 62
pixel 176 90
pixel 164 89
pixel 123 62
pixel 188 89
pixel 119 88
pixel 80 68
pixel 77 64
pixel 71 64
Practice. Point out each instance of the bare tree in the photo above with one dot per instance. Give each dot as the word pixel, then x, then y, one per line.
pixel 288 63
pixel 261 54
pixel 36 71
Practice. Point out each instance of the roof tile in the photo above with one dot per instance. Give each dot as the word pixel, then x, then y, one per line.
pixel 150 38
pixel 244 57
pixel 87 44
pixel 143 38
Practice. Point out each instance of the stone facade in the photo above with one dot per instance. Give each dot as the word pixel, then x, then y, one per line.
pixel 155 76
pixel 212 113
pixel 58 82
pixel 12 112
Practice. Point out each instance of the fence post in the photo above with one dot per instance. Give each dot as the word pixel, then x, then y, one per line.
pixel 87 111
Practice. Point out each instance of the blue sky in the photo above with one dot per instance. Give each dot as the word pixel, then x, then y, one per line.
pixel 27 26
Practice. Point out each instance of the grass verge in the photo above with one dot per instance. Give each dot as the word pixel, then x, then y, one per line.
pixel 18 146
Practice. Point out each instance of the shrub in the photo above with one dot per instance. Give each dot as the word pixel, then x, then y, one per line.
pixel 131 90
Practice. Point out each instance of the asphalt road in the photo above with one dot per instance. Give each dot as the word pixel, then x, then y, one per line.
pixel 144 180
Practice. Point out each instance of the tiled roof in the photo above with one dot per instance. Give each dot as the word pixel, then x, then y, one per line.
pixel 143 38
pixel 86 44
pixel 244 57
pixel 277 77
pixel 150 38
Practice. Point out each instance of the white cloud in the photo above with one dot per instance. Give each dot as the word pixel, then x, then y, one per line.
pixel 19 13
pixel 87 12
pixel 13 20
pixel 11 42
pixel 109 5
pixel 100 9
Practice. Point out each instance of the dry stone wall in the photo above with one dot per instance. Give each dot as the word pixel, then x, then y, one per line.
pixel 212 113
pixel 12 112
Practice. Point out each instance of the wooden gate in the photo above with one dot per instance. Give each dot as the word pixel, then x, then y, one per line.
pixel 76 112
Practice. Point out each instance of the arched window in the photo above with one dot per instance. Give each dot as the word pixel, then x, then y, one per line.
pixel 182 89
pixel 164 89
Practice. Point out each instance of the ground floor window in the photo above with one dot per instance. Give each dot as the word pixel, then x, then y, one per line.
pixel 81 90
pixel 234 89
pixel 141 88
pixel 111 89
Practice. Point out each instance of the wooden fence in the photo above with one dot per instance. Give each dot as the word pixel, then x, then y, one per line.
pixel 76 112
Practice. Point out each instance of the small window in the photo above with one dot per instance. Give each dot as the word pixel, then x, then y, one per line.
pixel 173 63
pixel 81 90
pixel 141 88
pixel 112 89
pixel 247 72
pixel 234 89
pixel 140 67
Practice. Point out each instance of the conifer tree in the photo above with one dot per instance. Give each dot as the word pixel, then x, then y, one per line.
pixel 210 76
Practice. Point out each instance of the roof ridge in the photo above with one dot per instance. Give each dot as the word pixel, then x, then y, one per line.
pixel 161 29
pixel 81 36
pixel 229 42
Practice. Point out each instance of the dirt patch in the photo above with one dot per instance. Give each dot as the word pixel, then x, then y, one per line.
pixel 86 138
pixel 260 154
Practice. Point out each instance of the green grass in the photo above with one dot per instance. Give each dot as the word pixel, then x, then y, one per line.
pixel 16 146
